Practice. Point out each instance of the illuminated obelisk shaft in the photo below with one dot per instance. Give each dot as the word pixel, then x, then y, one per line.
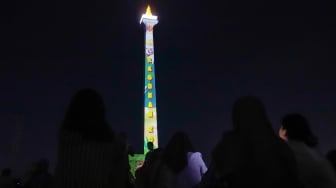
pixel 150 119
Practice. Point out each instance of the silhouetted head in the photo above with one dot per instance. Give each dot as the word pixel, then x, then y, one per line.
pixel 154 157
pixel 6 172
pixel 296 127
pixel 250 118
pixel 86 115
pixel 150 146
pixel 175 153
pixel 331 156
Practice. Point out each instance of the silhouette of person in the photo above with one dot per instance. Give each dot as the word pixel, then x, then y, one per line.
pixel 150 147
pixel 128 151
pixel 6 179
pixel 251 155
pixel 89 153
pixel 182 166
pixel 314 169
pixel 145 174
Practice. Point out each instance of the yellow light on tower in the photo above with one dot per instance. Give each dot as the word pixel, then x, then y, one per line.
pixel 150 60
pixel 150 105
pixel 150 129
pixel 150 86
pixel 150 114
pixel 148 16
pixel 150 139
pixel 149 69
pixel 149 77
pixel 149 11
pixel 150 95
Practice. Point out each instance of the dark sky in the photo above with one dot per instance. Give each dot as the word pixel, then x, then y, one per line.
pixel 208 53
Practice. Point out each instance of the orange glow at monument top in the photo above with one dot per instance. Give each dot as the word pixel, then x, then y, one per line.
pixel 148 15
pixel 148 11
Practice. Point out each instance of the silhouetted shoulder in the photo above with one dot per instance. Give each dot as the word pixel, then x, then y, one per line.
pixel 279 161
pixel 79 159
pixel 231 153
pixel 282 148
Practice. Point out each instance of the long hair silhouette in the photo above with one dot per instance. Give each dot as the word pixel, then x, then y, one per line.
pixel 86 116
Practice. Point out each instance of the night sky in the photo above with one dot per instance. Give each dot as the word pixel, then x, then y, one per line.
pixel 208 53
